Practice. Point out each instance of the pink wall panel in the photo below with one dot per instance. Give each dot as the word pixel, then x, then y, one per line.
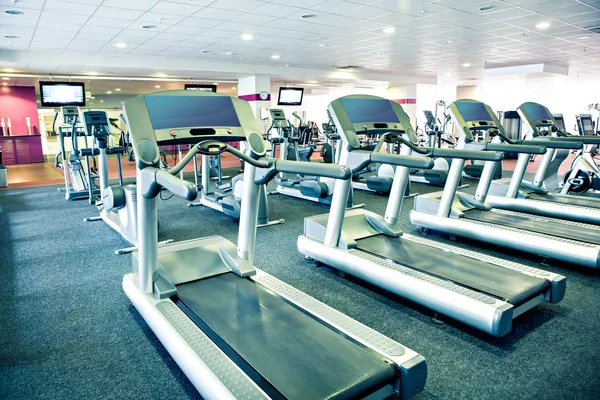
pixel 16 103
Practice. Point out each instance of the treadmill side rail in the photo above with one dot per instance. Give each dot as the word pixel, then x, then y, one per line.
pixel 412 365
pixel 486 313
pixel 561 249
pixel 211 372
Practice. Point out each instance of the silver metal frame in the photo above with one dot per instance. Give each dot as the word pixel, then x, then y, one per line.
pixel 443 211
pixel 331 239
pixel 212 373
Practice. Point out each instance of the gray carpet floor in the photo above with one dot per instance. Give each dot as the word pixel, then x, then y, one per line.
pixel 67 331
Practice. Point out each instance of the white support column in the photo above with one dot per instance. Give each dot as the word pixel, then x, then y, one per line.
pixel 251 88
pixel 468 92
pixel 406 96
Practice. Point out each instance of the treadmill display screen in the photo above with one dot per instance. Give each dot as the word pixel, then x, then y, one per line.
pixel 536 112
pixel 172 112
pixel 369 110
pixel 588 128
pixel 473 111
pixel 560 121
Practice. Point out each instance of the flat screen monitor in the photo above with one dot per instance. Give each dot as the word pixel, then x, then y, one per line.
pixel 290 96
pixel 369 110
pixel 560 122
pixel 201 88
pixel 172 112
pixel 57 94
pixel 536 112
pixel 473 111
pixel 588 127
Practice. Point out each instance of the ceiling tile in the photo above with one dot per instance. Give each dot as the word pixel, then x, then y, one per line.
pixel 215 13
pixel 169 8
pixel 236 5
pixel 274 10
pixel 141 5
pixel 252 19
pixel 108 22
pixel 118 13
pixel 70 7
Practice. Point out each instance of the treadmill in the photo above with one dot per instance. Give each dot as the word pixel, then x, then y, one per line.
pixel 531 197
pixel 462 214
pixel 236 331
pixel 484 292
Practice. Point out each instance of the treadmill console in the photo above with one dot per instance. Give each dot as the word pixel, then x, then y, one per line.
pixel 429 117
pixel 189 117
pixel 585 125
pixel 69 113
pixel 560 122
pixel 363 114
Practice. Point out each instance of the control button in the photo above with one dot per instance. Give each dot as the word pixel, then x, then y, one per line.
pixel 173 133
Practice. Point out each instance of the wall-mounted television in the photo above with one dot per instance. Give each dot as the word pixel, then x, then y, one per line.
pixel 58 94
pixel 201 88
pixel 290 96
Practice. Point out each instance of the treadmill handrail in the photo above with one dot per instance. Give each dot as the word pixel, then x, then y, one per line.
pixel 555 144
pixel 516 148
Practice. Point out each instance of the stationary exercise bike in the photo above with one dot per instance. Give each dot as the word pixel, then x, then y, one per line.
pixel 118 203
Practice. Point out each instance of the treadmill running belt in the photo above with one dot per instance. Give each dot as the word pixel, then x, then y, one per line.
pixel 514 287
pixel 570 200
pixel 557 229
pixel 298 355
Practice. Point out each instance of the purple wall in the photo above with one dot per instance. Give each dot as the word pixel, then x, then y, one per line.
pixel 16 103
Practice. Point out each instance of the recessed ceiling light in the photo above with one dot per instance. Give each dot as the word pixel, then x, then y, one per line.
pixel 449 41
pixel 287 65
pixel 448 73
pixel 11 36
pixel 109 92
pixel 118 89
pixel 312 82
pixel 322 45
pixel 233 88
pixel 583 37
pixel 9 70
pixel 543 25
pixel 247 36
pixel 487 8
pixel 92 73
pixel 382 53
pixel 4 83
pixel 120 45
pixel 5 78
pixel 494 50
pixel 215 83
pixel 275 56
pixel 160 75
pixel 157 86
pixel 13 12
pixel 229 53
pixel 389 30
pixel 101 101
pixel 466 65
pixel 309 15
pixel 148 26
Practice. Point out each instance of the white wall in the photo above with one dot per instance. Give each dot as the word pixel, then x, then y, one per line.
pixel 569 95
pixel 315 103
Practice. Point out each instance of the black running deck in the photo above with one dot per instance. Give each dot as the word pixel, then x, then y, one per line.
pixel 511 286
pixel 298 355
pixel 558 229
pixel 569 200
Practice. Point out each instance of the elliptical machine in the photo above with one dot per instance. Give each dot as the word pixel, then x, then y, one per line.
pixel 311 188
pixel 79 178
pixel 228 198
